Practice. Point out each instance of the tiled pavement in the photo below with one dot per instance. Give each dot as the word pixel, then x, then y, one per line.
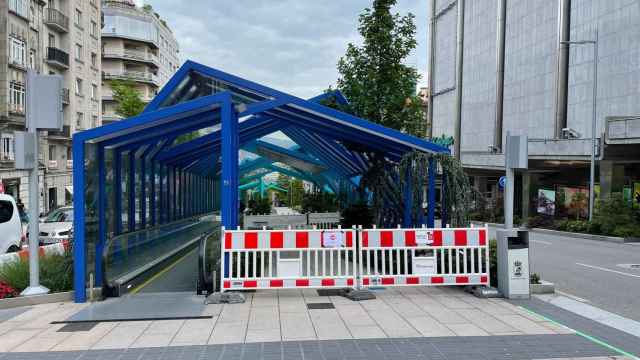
pixel 449 323
pixel 437 348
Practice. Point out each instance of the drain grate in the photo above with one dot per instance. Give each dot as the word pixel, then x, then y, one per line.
pixel 320 306
pixel 80 326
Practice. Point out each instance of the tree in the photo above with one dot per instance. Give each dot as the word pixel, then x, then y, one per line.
pixel 380 87
pixel 127 97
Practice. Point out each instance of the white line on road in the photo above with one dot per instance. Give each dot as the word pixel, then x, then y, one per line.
pixel 609 270
pixel 542 242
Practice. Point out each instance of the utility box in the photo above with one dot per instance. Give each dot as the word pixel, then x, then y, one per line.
pixel 513 263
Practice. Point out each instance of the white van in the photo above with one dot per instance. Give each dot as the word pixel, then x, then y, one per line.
pixel 10 226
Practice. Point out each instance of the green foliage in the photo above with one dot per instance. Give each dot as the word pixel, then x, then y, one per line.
pixel 493 262
pixel 578 203
pixel 129 99
pixel 56 273
pixel 579 226
pixel 458 195
pixel 187 137
pixel 373 76
pixel 534 279
pixel 357 214
pixel 319 201
pixel 16 274
pixel 259 206
pixel 296 194
pixel 614 216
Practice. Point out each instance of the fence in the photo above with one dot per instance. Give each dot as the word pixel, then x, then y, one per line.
pixel 409 257
pixel 268 259
pixel 301 221
pixel 319 258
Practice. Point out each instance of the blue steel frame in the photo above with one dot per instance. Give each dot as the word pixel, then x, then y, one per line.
pixel 182 171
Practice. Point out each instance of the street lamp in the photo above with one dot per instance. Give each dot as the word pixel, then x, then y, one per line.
pixel 592 174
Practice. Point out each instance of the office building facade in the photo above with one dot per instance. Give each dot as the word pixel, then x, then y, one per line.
pixel 501 67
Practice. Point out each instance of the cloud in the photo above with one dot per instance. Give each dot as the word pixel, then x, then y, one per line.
pixel 291 45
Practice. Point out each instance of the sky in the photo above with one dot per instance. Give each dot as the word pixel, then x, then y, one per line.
pixel 290 45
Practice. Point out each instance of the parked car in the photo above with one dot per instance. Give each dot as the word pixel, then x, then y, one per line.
pixel 10 225
pixel 57 226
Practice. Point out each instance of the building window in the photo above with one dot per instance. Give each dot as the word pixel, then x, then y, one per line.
pixel 52 41
pixel 20 7
pixel 6 147
pixel 79 52
pixel 94 121
pixel 32 59
pixel 78 18
pixel 16 97
pixel 94 92
pixel 16 51
pixel 79 91
pixel 94 60
pixel 94 29
pixel 79 120
pixel 52 152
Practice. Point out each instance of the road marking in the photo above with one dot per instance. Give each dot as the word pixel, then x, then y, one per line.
pixel 160 273
pixel 542 242
pixel 609 270
pixel 584 335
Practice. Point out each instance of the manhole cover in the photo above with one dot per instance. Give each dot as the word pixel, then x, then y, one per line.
pixel 630 266
pixel 320 306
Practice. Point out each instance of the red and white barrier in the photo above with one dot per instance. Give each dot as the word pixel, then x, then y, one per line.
pixel 268 259
pixel 57 248
pixel 414 257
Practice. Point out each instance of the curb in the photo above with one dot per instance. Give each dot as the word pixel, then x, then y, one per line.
pixel 612 239
pixel 36 300
pixel 66 296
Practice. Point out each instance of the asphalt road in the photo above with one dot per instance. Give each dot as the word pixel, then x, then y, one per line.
pixel 590 270
pixel 179 275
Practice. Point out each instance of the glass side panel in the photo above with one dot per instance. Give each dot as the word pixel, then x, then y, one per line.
pixel 127 253
pixel 196 85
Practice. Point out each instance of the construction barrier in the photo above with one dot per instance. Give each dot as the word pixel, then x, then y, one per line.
pixel 293 258
pixel 57 248
pixel 423 257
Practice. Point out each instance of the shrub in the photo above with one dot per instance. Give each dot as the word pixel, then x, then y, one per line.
pixel 56 273
pixel 15 274
pixel 541 221
pixel 615 217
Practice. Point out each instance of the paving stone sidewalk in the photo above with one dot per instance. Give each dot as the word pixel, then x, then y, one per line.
pixel 430 323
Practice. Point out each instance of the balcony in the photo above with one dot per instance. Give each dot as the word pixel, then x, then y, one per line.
pixel 64 134
pixel 56 20
pixel 138 76
pixel 134 55
pixel 57 58
pixel 53 164
pixel 65 96
pixel 16 109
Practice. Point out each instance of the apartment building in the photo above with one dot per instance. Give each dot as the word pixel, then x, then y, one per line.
pixel 137 46
pixel 506 68
pixel 59 37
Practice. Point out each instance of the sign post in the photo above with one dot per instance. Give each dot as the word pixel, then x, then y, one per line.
pixel 44 112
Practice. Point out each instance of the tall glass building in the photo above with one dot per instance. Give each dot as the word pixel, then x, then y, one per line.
pixel 503 66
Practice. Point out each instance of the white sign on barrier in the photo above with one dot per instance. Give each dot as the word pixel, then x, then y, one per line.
pixel 424 265
pixel 332 239
pixel 424 237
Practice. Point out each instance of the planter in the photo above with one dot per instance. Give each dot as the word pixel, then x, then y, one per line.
pixel 545 287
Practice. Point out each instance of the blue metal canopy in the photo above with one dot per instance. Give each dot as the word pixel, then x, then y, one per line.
pixel 179 158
